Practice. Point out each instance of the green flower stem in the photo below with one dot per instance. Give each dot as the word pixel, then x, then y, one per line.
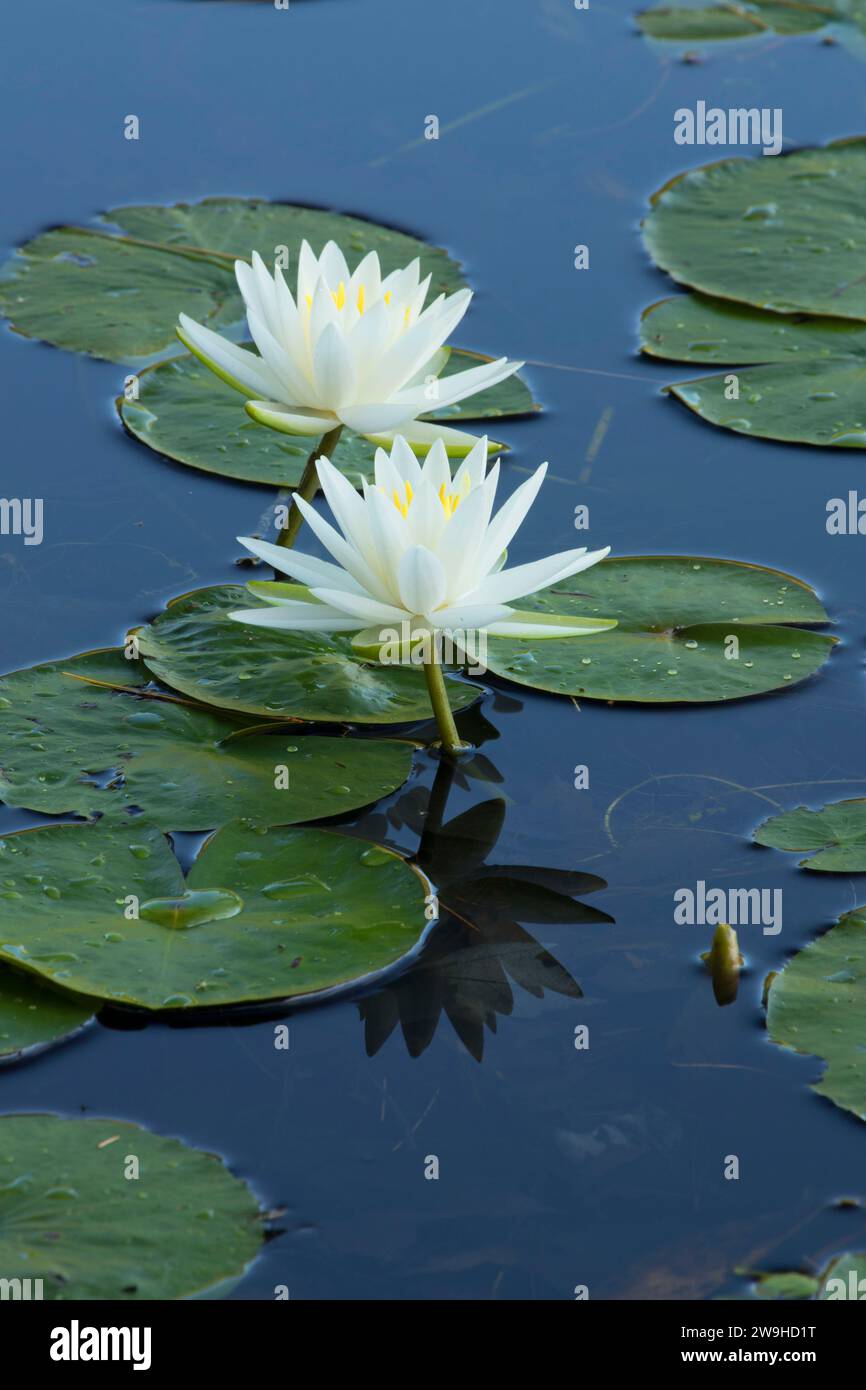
pixel 451 740
pixel 309 485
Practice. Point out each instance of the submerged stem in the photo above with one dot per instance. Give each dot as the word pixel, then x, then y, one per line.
pixel 309 485
pixel 451 740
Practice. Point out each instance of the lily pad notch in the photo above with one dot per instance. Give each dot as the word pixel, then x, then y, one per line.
pixel 266 913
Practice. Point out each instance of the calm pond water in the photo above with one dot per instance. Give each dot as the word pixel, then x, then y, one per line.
pixel 557 1167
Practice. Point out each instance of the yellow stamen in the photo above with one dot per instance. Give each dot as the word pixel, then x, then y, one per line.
pixel 403 507
pixel 451 500
pixel 360 299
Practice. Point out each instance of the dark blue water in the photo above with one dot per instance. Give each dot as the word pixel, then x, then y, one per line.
pixel 557 1167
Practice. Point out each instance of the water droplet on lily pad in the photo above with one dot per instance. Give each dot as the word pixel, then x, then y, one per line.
pixel 374 856
pixel 192 908
pixel 288 888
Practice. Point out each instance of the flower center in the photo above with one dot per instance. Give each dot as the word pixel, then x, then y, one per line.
pixel 339 297
pixel 450 500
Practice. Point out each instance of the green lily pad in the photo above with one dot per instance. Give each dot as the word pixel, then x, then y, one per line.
pixel 195 648
pixel 68 746
pixel 675 615
pixel 697 328
pixel 264 913
pixel 33 1017
pixel 837 832
pixel 690 24
pixel 114 290
pixel 785 1285
pixel 786 233
pixel 817 1005
pixel 187 414
pixel 72 1218
pixel 808 389
pixel 840 1279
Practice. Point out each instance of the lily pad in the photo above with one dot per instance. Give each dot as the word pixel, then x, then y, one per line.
pixel 808 389
pixel 690 24
pixel 264 913
pixel 676 616
pixel 114 289
pixel 817 1005
pixel 33 1017
pixel 837 832
pixel 786 233
pixel 69 746
pixel 185 413
pixel 785 1285
pixel 834 1281
pixel 196 648
pixel 72 1217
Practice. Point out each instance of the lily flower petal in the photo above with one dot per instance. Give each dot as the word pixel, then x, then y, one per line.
pixel 305 567
pixel 234 365
pixel 304 617
pixel 533 626
pixel 538 574
pixel 421 579
pixel 373 420
pixel 365 608
pixel 509 518
pixel 288 419
pixel 420 434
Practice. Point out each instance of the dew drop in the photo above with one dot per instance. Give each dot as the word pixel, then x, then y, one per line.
pixel 192 908
pixel 372 858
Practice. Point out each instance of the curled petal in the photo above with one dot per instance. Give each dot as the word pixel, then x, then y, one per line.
pixel 289 419
pixel 534 626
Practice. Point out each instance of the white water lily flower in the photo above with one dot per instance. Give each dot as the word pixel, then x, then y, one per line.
pixel 420 547
pixel 348 348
